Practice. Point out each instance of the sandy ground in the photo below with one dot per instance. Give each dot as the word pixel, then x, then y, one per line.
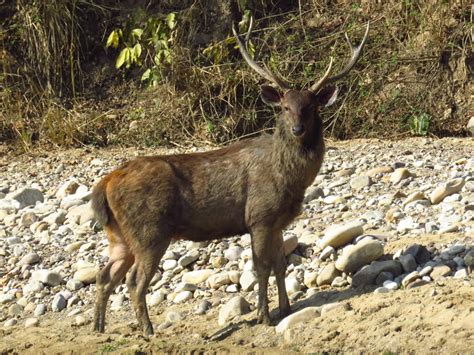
pixel 436 318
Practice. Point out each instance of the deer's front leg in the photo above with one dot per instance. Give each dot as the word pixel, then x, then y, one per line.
pixel 262 253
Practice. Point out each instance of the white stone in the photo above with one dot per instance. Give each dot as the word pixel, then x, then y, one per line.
pixel 236 306
pixel 197 276
pixel 340 235
pixel 305 315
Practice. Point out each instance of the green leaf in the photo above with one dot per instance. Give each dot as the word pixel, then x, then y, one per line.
pixel 171 20
pixel 137 50
pixel 113 39
pixel 122 57
pixel 146 74
pixel 137 32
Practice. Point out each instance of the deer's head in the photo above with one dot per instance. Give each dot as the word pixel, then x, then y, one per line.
pixel 300 106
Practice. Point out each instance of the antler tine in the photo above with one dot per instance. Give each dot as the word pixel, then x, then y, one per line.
pixel 243 47
pixel 355 54
pixel 316 86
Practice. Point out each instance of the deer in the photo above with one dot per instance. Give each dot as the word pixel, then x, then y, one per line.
pixel 255 186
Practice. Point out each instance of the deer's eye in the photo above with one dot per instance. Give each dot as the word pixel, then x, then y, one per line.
pixel 286 108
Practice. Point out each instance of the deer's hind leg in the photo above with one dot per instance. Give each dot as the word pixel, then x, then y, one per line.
pixel 148 255
pixel 120 260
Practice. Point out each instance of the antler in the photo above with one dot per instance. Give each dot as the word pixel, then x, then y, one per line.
pixel 243 47
pixel 355 54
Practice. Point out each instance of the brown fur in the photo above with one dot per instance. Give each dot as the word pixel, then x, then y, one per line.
pixel 255 186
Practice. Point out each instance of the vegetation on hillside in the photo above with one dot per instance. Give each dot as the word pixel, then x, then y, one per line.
pixel 102 72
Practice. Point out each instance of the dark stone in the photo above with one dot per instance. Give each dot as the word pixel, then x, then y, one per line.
pixel 383 276
pixel 419 252
pixel 368 274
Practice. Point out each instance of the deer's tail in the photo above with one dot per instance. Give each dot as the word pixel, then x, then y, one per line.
pixel 100 205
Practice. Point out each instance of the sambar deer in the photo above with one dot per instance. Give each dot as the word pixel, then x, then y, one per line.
pixel 254 186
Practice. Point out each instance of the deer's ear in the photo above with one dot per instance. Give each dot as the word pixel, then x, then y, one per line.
pixel 270 95
pixel 327 96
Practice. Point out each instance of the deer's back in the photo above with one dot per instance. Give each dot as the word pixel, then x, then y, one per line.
pixel 195 196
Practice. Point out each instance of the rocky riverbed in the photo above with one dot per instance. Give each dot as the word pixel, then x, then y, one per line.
pixel 380 259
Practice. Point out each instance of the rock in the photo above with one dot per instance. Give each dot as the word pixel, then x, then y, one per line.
pixel 28 218
pixel 10 323
pixel 186 286
pixel 417 283
pixel 15 310
pixel 421 254
pixel 174 317
pixel 333 307
pixel 368 274
pixel 381 290
pixel 118 300
pixel 74 285
pixel 408 262
pixel 339 282
pixel 82 213
pixel 59 303
pixel 383 277
pixel 390 285
pixel 415 196
pixel 234 252
pixel 86 275
pixel 312 193
pixel 218 262
pixel 470 125
pixel 340 235
pixel 236 306
pixel 30 259
pixel 359 182
pixel 169 264
pixel 47 277
pixel 218 280
pixel 412 276
pixel 327 252
pixel 67 188
pixel 39 310
pixel 234 276
pixel 197 276
pixel 203 307
pixel 290 242
pixel 305 315
pixel 80 321
pixel 156 298
pixel 355 256
pixel 292 285
pixel 327 275
pixel 189 258
pixel 310 279
pixel 399 175
pixel 379 170
pixel 446 189
pixel 6 298
pixel 31 322
pixel 460 274
pixel 26 197
pixel 469 258
pixel 426 270
pixel 440 271
pixel 248 280
pixel 183 296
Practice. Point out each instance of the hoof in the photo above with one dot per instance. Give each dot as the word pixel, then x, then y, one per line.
pixel 284 312
pixel 264 319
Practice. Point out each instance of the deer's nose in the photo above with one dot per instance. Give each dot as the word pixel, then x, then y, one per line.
pixel 298 130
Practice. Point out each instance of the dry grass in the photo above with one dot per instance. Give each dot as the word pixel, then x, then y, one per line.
pixel 418 63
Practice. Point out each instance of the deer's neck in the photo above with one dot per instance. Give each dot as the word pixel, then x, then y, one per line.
pixel 299 160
